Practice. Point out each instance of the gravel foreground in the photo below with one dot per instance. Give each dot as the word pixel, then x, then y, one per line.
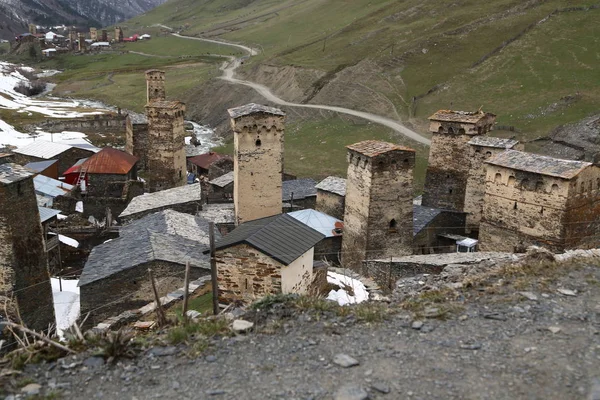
pixel 501 344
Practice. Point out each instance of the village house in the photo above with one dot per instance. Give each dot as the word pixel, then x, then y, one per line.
pixel 6 157
pixel 220 190
pixel 204 164
pixel 66 154
pixel 24 279
pixel 115 277
pixel 437 231
pixel 450 156
pixel 186 199
pixel 539 200
pixel 331 196
pixel 332 228
pixel 298 194
pixel 104 174
pixel 378 218
pixel 266 256
pixel 47 168
pixel 222 214
pixel 258 136
pixel 47 189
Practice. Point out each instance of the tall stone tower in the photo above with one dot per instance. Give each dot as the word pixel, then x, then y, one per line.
pixel 94 34
pixel 24 280
pixel 33 29
pixel 155 85
pixel 73 40
pixel 104 35
pixel 258 161
pixel 449 156
pixel 118 34
pixel 378 220
pixel 82 43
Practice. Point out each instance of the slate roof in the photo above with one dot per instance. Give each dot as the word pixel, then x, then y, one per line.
pixel 372 148
pixel 223 180
pixel 40 166
pixel 172 223
pixel 319 221
pixel 137 119
pixel 253 108
pixel 301 189
pixel 207 159
pixel 132 250
pixel 219 213
pixel 47 213
pixel 470 117
pixel 333 184
pixel 106 161
pixel 43 149
pixel 163 198
pixel 495 142
pixel 535 163
pixel 11 173
pixel 281 237
pixel 422 216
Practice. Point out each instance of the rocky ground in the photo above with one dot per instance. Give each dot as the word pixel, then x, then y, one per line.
pixel 524 331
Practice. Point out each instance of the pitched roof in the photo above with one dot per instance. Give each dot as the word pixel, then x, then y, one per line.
pixel 207 159
pixel 281 237
pixel 535 163
pixel 319 221
pixel 132 250
pixel 372 148
pixel 299 188
pixel 253 108
pixel 333 184
pixel 422 216
pixel 40 166
pixel 163 199
pixel 469 117
pixel 219 213
pixel 11 173
pixel 495 142
pixel 223 180
pixel 106 161
pixel 43 149
pixel 47 213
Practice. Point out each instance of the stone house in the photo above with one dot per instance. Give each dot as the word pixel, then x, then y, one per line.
pixel 115 277
pixel 210 164
pixel 258 135
pixel 136 137
pixel 186 199
pixel 329 248
pixel 24 279
pixel 6 157
pixel 40 150
pixel 266 256
pixel 222 214
pixel 47 168
pixel 105 173
pixel 481 149
pixel 331 196
pixel 298 194
pixel 379 202
pixel 220 190
pixel 47 189
pixel 539 200
pixel 433 229
pixel 450 156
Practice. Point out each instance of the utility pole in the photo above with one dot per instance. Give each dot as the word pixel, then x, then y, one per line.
pixel 213 268
pixel 186 288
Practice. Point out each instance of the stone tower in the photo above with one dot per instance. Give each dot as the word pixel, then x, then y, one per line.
pixel 165 159
pixel 23 258
pixel 449 156
pixel 104 35
pixel 82 43
pixel 118 34
pixel 94 34
pixel 155 85
pixel 73 40
pixel 33 29
pixel 378 220
pixel 258 161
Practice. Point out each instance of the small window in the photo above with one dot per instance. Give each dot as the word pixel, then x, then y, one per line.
pixel 515 206
pixel 461 131
pixel 488 154
pixel 19 189
pixel 450 131
pixel 539 186
pixel 554 188
pixel 449 191
pixel 381 164
pixel 498 178
pixel 407 163
pixel 393 226
pixel 542 211
pixel 511 181
pixel 258 143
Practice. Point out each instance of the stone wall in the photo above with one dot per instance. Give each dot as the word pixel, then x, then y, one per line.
pixel 329 249
pixel 582 220
pixel 23 259
pixel 258 165
pixel 66 159
pixel 136 141
pixel 93 123
pixel 131 289
pixel 330 204
pixel 217 194
pixel 300 204
pixel 429 241
pixel 109 185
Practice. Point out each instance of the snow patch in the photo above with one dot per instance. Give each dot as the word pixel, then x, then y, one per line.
pixel 66 303
pixel 352 291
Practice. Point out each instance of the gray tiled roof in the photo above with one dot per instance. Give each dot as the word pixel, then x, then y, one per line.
pixel 253 108
pixel 301 188
pixel 496 142
pixel 281 237
pixel 223 180
pixel 219 213
pixel 132 250
pixel 333 184
pixel 11 173
pixel 164 198
pixel 422 216
pixel 535 163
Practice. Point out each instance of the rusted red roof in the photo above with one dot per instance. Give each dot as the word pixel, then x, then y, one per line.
pixel 107 161
pixel 372 148
pixel 207 159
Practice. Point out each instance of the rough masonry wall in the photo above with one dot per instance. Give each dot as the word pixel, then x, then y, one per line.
pixel 93 123
pixel 258 166
pixel 245 274
pixel 330 204
pixel 155 86
pixel 23 259
pixel 522 209
pixel 131 289
pixel 136 141
pixel 582 222
pixel 297 277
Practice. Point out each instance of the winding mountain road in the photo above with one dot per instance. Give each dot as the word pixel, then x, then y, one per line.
pixel 233 64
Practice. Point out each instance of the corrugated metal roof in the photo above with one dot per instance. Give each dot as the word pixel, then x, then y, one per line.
pixel 47 213
pixel 281 237
pixel 535 163
pixel 207 159
pixel 319 221
pixel 372 148
pixel 470 117
pixel 40 166
pixel 11 173
pixel 223 180
pixel 333 184
pixel 495 142
pixel 253 108
pixel 43 149
pixel 299 188
pixel 107 161
pixel 50 187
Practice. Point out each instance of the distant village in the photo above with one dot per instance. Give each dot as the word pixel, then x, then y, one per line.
pixel 153 206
